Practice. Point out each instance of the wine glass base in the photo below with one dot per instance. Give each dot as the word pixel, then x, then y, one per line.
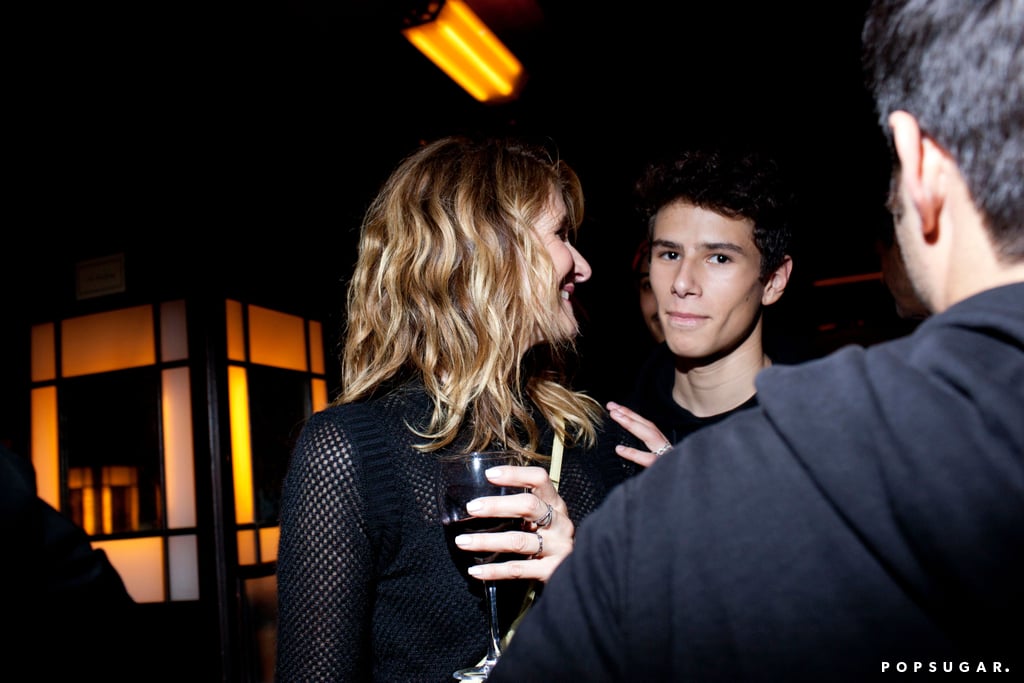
pixel 475 673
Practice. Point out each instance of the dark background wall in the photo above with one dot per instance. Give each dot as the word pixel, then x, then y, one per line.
pixel 238 146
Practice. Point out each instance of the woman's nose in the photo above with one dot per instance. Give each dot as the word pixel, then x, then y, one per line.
pixel 581 267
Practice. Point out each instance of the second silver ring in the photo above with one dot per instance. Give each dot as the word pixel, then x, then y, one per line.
pixel 545 521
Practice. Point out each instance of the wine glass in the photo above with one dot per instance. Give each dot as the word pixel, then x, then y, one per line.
pixel 462 480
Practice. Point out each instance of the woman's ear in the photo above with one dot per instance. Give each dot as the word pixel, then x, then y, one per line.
pixel 777 281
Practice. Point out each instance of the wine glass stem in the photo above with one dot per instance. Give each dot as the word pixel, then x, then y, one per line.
pixel 494 646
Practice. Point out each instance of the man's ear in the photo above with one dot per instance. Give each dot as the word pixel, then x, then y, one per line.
pixel 922 168
pixel 777 282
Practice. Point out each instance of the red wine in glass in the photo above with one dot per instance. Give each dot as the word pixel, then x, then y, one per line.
pixel 462 480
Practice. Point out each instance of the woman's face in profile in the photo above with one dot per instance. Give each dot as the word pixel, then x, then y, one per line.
pixel 570 266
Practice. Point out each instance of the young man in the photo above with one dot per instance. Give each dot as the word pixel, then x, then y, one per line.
pixel 865 518
pixel 720 227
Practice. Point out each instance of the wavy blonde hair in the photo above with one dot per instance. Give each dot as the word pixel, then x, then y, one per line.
pixel 453 287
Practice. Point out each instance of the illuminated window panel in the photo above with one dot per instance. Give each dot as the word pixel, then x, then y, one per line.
pixel 246 547
pixel 241 448
pixel 108 341
pixel 269 537
pixel 319 388
pixel 277 339
pixel 45 456
pixel 140 562
pixel 179 459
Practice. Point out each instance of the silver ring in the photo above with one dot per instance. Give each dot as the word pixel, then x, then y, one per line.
pixel 540 545
pixel 545 521
pixel 663 450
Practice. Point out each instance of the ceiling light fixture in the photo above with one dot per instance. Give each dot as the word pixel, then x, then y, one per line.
pixel 451 35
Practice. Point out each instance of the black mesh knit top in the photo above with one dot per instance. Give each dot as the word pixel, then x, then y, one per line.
pixel 367 586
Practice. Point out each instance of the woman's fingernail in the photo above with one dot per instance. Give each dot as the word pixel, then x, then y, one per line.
pixel 475 570
pixel 462 540
pixel 494 472
pixel 474 506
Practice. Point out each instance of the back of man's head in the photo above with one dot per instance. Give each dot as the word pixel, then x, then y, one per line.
pixel 957 66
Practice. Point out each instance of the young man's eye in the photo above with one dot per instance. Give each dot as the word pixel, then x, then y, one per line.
pixel 720 258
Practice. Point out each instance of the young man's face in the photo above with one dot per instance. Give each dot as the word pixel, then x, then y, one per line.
pixel 704 274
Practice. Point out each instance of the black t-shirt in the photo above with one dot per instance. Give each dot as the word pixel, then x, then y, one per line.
pixel 652 398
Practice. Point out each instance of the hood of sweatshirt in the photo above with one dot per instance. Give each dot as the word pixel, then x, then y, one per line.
pixel 918 444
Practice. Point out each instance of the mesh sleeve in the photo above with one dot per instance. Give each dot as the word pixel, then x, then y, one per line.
pixel 325 562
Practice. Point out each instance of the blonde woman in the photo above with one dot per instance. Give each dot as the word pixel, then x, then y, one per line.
pixel 460 324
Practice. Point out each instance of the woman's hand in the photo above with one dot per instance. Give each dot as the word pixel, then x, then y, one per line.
pixel 641 428
pixel 547 537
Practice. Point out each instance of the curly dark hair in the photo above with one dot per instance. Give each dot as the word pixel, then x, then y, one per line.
pixel 745 184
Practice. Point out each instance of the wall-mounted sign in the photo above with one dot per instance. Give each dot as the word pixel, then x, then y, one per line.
pixel 99 277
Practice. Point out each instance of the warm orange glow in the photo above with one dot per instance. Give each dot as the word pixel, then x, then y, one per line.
pixel 82 497
pixel 465 49
pixel 246 547
pixel 120 498
pixel 107 510
pixel 106 506
pixel 316 347
pixel 140 563
pixel 108 341
pixel 44 444
pixel 269 537
pixel 319 388
pixel 179 461
pixel 241 447
pixel 235 331
pixel 44 353
pixel 277 339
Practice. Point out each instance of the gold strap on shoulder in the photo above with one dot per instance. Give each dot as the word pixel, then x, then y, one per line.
pixel 555 472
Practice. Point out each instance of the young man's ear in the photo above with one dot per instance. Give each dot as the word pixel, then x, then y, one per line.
pixel 923 166
pixel 777 281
